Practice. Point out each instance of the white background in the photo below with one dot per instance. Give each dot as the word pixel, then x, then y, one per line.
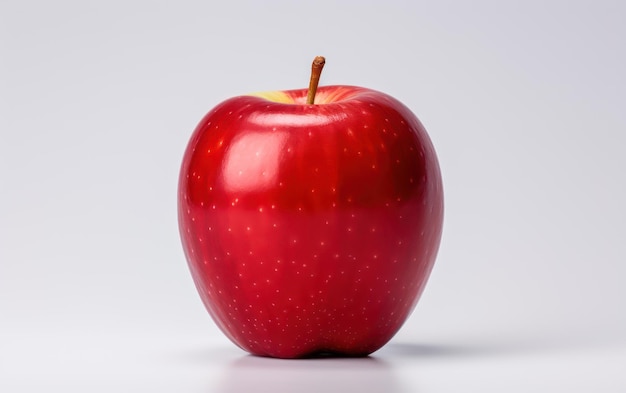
pixel 525 102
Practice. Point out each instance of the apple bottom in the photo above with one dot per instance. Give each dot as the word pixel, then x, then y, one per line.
pixel 291 284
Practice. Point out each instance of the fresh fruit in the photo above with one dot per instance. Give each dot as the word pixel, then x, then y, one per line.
pixel 310 227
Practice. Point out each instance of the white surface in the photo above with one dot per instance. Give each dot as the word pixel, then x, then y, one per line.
pixel 524 102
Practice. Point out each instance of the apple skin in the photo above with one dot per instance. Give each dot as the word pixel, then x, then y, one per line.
pixel 310 229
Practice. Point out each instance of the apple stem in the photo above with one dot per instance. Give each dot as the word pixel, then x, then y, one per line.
pixel 316 70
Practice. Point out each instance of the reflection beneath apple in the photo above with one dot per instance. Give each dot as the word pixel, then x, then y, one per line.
pixel 252 373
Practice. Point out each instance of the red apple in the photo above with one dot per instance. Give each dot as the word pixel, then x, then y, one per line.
pixel 310 228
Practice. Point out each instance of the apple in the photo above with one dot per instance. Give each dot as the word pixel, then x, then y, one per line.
pixel 310 219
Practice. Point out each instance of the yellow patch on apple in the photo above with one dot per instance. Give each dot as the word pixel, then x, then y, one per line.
pixel 275 96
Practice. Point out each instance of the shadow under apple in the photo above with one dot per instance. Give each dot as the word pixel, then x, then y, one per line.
pixel 321 374
pixel 403 350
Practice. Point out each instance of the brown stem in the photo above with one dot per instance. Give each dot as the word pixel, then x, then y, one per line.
pixel 316 70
